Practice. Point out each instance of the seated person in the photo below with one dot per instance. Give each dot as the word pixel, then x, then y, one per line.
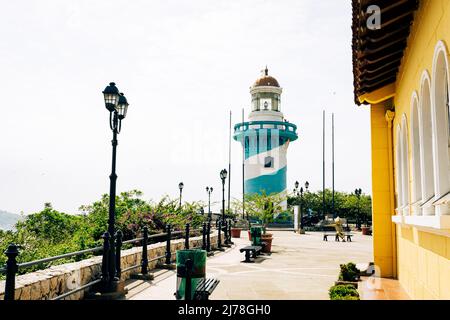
pixel 339 228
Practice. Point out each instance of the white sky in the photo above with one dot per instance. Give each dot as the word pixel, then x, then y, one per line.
pixel 182 65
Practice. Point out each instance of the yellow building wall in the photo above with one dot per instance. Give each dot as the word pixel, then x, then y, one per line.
pixel 423 258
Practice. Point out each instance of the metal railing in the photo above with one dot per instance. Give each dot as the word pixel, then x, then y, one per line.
pixel 280 125
pixel 12 267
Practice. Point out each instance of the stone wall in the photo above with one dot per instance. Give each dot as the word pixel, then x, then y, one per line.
pixel 56 280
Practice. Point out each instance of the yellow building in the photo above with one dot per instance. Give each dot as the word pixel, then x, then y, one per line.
pixel 401 66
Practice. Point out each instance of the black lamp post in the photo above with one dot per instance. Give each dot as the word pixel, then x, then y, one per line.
pixel 358 195
pixel 117 105
pixel 181 186
pixel 223 177
pixel 299 193
pixel 306 190
pixel 209 190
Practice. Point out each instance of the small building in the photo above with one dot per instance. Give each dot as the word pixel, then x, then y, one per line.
pixel 401 69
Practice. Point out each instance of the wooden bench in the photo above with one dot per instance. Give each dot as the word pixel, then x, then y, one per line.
pixel 254 250
pixel 204 288
pixel 348 236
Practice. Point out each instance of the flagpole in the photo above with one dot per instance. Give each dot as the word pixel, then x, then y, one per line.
pixel 323 166
pixel 229 166
pixel 332 151
pixel 243 170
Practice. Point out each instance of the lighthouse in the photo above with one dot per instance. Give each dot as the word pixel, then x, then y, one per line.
pixel 265 138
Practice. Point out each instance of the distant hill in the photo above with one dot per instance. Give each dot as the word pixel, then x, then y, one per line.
pixel 8 220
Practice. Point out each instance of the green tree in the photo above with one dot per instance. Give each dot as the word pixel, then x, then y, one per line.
pixel 345 204
pixel 264 206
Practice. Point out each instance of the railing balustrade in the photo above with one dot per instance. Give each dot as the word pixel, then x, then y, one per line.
pixel 12 267
pixel 255 125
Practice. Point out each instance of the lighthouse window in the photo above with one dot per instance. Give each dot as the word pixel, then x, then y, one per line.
pixel 276 103
pixel 268 162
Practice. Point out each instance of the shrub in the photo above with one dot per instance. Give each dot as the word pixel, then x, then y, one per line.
pixel 349 272
pixel 343 292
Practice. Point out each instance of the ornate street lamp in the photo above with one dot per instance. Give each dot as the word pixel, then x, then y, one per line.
pixel 223 177
pixel 181 186
pixel 209 190
pixel 117 105
pixel 299 193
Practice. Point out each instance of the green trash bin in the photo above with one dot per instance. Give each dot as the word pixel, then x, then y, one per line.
pixel 256 232
pixel 196 270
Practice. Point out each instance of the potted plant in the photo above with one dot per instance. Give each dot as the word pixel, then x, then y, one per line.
pixel 263 207
pixel 343 292
pixel 349 275
pixel 366 230
pixel 237 227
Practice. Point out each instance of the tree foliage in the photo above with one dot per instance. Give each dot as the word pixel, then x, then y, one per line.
pixel 346 205
pixel 49 232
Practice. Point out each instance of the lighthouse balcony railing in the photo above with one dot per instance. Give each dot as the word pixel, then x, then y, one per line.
pixel 255 125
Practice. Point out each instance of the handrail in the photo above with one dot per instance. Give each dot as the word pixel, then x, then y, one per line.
pixel 133 240
pixel 69 293
pixel 62 256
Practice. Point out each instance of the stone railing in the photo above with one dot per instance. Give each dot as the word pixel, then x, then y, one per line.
pixel 57 280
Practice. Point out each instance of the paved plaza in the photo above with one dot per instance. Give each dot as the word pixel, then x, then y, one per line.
pixel 300 267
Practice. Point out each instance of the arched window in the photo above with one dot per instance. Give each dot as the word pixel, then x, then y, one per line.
pixel 398 171
pixel 404 165
pixel 440 120
pixel 426 141
pixel 415 158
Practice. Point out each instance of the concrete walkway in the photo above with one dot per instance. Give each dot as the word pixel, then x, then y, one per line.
pixel 300 267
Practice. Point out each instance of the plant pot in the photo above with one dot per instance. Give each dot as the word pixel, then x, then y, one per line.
pixel 267 238
pixel 236 232
pixel 366 231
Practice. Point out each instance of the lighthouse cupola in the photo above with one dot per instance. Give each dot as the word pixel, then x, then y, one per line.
pixel 266 98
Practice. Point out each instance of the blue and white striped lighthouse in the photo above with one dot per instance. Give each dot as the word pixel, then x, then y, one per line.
pixel 265 139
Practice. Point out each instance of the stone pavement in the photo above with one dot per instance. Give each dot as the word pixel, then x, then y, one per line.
pixel 300 267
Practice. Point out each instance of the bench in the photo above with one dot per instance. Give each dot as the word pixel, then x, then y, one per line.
pixel 254 250
pixel 348 236
pixel 204 288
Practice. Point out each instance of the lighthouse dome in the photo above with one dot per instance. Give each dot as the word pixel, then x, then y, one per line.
pixel 266 81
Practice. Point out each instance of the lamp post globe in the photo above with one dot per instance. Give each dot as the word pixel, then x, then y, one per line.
pixel 122 106
pixel 111 96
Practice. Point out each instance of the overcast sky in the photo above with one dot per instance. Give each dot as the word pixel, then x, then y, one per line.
pixel 182 65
